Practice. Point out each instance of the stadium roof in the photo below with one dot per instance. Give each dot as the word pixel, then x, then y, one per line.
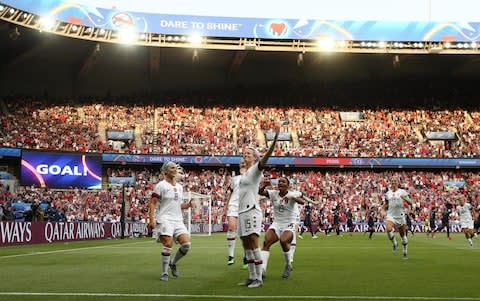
pixel 31 58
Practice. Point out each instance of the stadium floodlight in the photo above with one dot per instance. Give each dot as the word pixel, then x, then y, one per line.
pixel 47 23
pixel 473 45
pixel 342 44
pixel 195 39
pixel 126 36
pixel 2 8
pixel 326 44
pixel 183 38
pixel 25 15
pixel 176 38
pixel 74 28
pixel 465 45
pixel 363 44
pixel 381 44
pixel 102 32
pixel 447 44
pixel 169 38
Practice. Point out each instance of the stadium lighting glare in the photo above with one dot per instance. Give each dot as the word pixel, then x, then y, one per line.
pixel 473 45
pixel 342 44
pixel 183 38
pixel 176 39
pixel 195 39
pixel 169 38
pixel 382 44
pixel 326 44
pixel 47 23
pixel 363 44
pixel 465 45
pixel 88 30
pixel 11 11
pixel 126 36
pixel 25 15
pixel 143 36
pixel 2 8
pixel 447 44
pixel 102 32
pixel 74 28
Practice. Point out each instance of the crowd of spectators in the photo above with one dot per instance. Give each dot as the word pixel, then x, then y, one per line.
pixel 217 130
pixel 355 192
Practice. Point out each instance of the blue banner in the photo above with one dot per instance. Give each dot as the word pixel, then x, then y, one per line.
pixel 61 170
pixel 377 20
pixel 10 152
pixel 296 161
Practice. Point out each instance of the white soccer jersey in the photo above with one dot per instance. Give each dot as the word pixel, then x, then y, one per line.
pixel 395 203
pixel 284 212
pixel 464 213
pixel 169 202
pixel 248 189
pixel 234 186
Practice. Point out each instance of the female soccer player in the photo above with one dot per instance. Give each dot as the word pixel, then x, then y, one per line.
pixel 283 228
pixel 250 213
pixel 232 214
pixel 466 220
pixel 394 205
pixel 165 217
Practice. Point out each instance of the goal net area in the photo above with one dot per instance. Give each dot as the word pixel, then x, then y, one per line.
pixel 198 218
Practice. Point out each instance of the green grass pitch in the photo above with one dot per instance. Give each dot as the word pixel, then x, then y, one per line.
pixel 328 268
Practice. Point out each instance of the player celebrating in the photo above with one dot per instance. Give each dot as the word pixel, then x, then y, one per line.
pixel 284 203
pixel 250 213
pixel 165 213
pixel 466 220
pixel 394 205
pixel 232 214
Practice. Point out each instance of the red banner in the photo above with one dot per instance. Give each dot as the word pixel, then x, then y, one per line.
pixel 17 233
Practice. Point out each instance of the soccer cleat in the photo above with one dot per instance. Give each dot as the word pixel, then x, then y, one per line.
pixel 245 266
pixel 314 237
pixel 286 271
pixel 173 269
pixel 246 282
pixel 300 236
pixel 164 277
pixel 405 256
pixel 255 283
pixel 230 260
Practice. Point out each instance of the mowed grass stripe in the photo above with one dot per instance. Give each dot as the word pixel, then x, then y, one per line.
pixel 346 267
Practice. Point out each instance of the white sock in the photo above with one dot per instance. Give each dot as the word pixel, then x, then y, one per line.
pixel 257 253
pixel 470 241
pixel 292 252
pixel 405 244
pixel 165 259
pixel 391 235
pixel 252 274
pixel 287 256
pixel 231 243
pixel 265 256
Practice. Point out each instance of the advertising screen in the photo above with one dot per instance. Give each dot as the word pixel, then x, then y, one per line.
pixel 377 20
pixel 61 170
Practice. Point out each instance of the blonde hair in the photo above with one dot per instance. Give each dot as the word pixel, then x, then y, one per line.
pixel 180 173
pixel 255 153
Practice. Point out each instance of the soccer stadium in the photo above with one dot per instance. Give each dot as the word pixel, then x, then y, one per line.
pixel 206 150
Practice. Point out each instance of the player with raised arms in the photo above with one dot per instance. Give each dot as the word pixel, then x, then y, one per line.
pixel 285 214
pixel 250 215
